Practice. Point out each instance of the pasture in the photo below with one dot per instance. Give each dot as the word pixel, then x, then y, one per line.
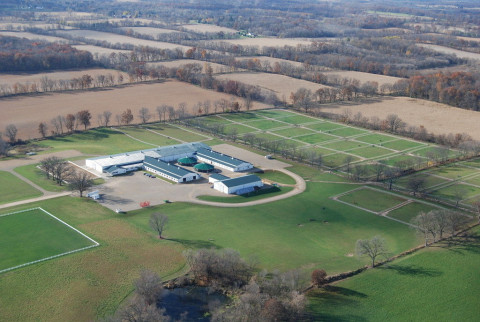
pixel 27 111
pixel 148 31
pixel 14 189
pixel 269 42
pixel 362 77
pixel 450 51
pixel 97 50
pixel 422 285
pixel 207 28
pixel 36 235
pixel 217 68
pixel 32 36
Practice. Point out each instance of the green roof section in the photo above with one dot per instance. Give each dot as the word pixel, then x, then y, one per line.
pixel 241 180
pixel 204 167
pixel 187 161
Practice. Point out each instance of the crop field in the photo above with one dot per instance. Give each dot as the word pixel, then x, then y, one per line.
pixel 433 116
pixel 281 85
pixel 335 141
pixel 207 28
pixel 14 189
pixel 149 31
pixel 271 60
pixel 363 77
pixel 270 42
pixel 422 285
pixel 11 79
pixel 116 38
pixel 27 111
pixel 36 235
pixel 97 50
pixel 448 50
pixel 32 36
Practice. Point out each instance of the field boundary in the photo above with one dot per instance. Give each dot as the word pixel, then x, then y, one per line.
pixel 95 243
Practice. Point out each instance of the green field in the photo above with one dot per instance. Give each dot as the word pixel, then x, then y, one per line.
pixel 240 117
pixel 371 152
pixel 430 180
pixel 315 138
pixel 325 126
pixel 436 284
pixel 297 119
pixel 454 172
pixel 34 235
pixel 293 131
pixel 408 212
pixel 252 196
pixel 402 145
pixel 375 138
pixel 241 129
pixel 372 199
pixel 14 189
pixel 344 145
pixel 348 131
pixel 336 160
pixel 266 124
pixel 144 135
pixel 175 132
pixel 451 192
pixel 276 176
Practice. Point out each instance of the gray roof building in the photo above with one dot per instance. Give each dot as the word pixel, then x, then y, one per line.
pixel 234 182
pixel 167 168
pixel 220 158
pixel 218 177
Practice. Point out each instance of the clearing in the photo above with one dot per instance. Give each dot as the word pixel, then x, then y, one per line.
pixel 205 28
pixel 363 77
pixel 97 50
pixel 14 189
pixel 149 31
pixel 32 36
pixel 269 42
pixel 217 68
pixel 451 51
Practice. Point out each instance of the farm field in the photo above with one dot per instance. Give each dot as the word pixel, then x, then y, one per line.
pixel 456 52
pixel 363 77
pixel 26 112
pixel 269 42
pixel 14 189
pixel 407 212
pixel 24 25
pixel 421 285
pixel 281 85
pixel 435 117
pixel 31 36
pixel 149 31
pixel 115 38
pixel 271 60
pixel 217 68
pixel 11 79
pixel 207 28
pixel 372 200
pixel 34 235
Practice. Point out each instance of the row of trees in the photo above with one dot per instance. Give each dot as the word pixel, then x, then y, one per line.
pixel 435 224
pixel 61 171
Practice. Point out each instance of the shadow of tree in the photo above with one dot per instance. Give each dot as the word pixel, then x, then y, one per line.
pixel 412 270
pixel 344 291
pixel 469 243
pixel 195 243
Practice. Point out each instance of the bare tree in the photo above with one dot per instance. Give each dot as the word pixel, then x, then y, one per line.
pixel 157 222
pixel 138 311
pixel 11 133
pixel 144 115
pixel 394 123
pixel 3 147
pixel 80 181
pixel 100 119
pixel 70 122
pixel 84 118
pixel 416 184
pixel 373 248
pixel 61 171
pixel 425 224
pixel 455 221
pixel 127 116
pixel 319 277
pixel 106 117
pixel 149 286
pixel 42 129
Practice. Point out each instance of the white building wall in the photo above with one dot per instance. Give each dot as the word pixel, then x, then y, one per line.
pixel 188 177
pixel 231 190
pixel 177 156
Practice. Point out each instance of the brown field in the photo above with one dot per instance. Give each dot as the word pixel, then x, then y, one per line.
pixel 66 14
pixel 283 86
pixel 269 42
pixel 149 31
pixel 204 28
pixel 217 68
pixel 437 118
pixel 10 79
pixel 271 60
pixel 24 25
pixel 451 69
pixel 468 39
pixel 31 36
pixel 114 38
pixel 97 50
pixel 27 111
pixel 364 77
pixel 447 50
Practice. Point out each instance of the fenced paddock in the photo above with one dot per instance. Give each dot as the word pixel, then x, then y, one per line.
pixel 35 235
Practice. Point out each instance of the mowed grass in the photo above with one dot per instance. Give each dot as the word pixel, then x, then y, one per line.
pixel 100 141
pixel 372 199
pixel 375 138
pixel 37 176
pixel 344 145
pixel 371 152
pixel 304 231
pixel 293 131
pixel 266 124
pixel 90 284
pixel 337 159
pixel 402 145
pixel 276 176
pixel 408 212
pixel 347 131
pixel 325 126
pixel 315 138
pixel 436 284
pixel 14 189
pixel 150 137
pixel 297 119
pixel 460 191
pixel 273 113
pixel 256 195
pixel 34 235
pixel 175 132
pixel 454 172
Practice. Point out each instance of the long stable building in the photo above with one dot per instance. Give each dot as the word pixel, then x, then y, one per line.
pixel 169 171
pixel 221 160
pixel 239 185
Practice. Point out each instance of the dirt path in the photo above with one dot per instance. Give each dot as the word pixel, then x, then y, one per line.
pixel 22 202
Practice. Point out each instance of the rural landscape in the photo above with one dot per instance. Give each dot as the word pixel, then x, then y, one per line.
pixel 288 160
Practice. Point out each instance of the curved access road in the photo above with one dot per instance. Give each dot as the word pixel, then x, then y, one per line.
pixel 299 187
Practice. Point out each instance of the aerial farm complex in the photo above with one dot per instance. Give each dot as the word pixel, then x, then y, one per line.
pixel 169 161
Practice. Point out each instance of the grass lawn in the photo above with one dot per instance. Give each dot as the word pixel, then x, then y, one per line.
pixel 430 181
pixel 472 163
pixel 90 284
pixel 375 138
pixel 34 235
pixel 268 136
pixel 241 117
pixel 148 136
pixel 176 133
pixel 392 161
pixel 266 124
pixel 14 189
pixel 97 141
pixel 315 138
pixel 241 129
pixel 437 284
pixel 401 145
pixel 256 195
pixel 273 113
pixel 344 145
pixel 371 152
pixel 276 176
pixel 436 151
pixel 336 159
pixel 454 172
pixel 475 181
pixel 410 211
pixel 348 131
pixel 325 126
pixel 214 120
pixel 372 199
pixel 293 131
pixel 297 119
pixel 450 192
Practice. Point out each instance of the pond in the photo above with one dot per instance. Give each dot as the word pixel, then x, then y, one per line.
pixel 196 302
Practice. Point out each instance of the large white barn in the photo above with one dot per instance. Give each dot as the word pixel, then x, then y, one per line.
pixel 239 185
pixel 169 171
pixel 221 160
